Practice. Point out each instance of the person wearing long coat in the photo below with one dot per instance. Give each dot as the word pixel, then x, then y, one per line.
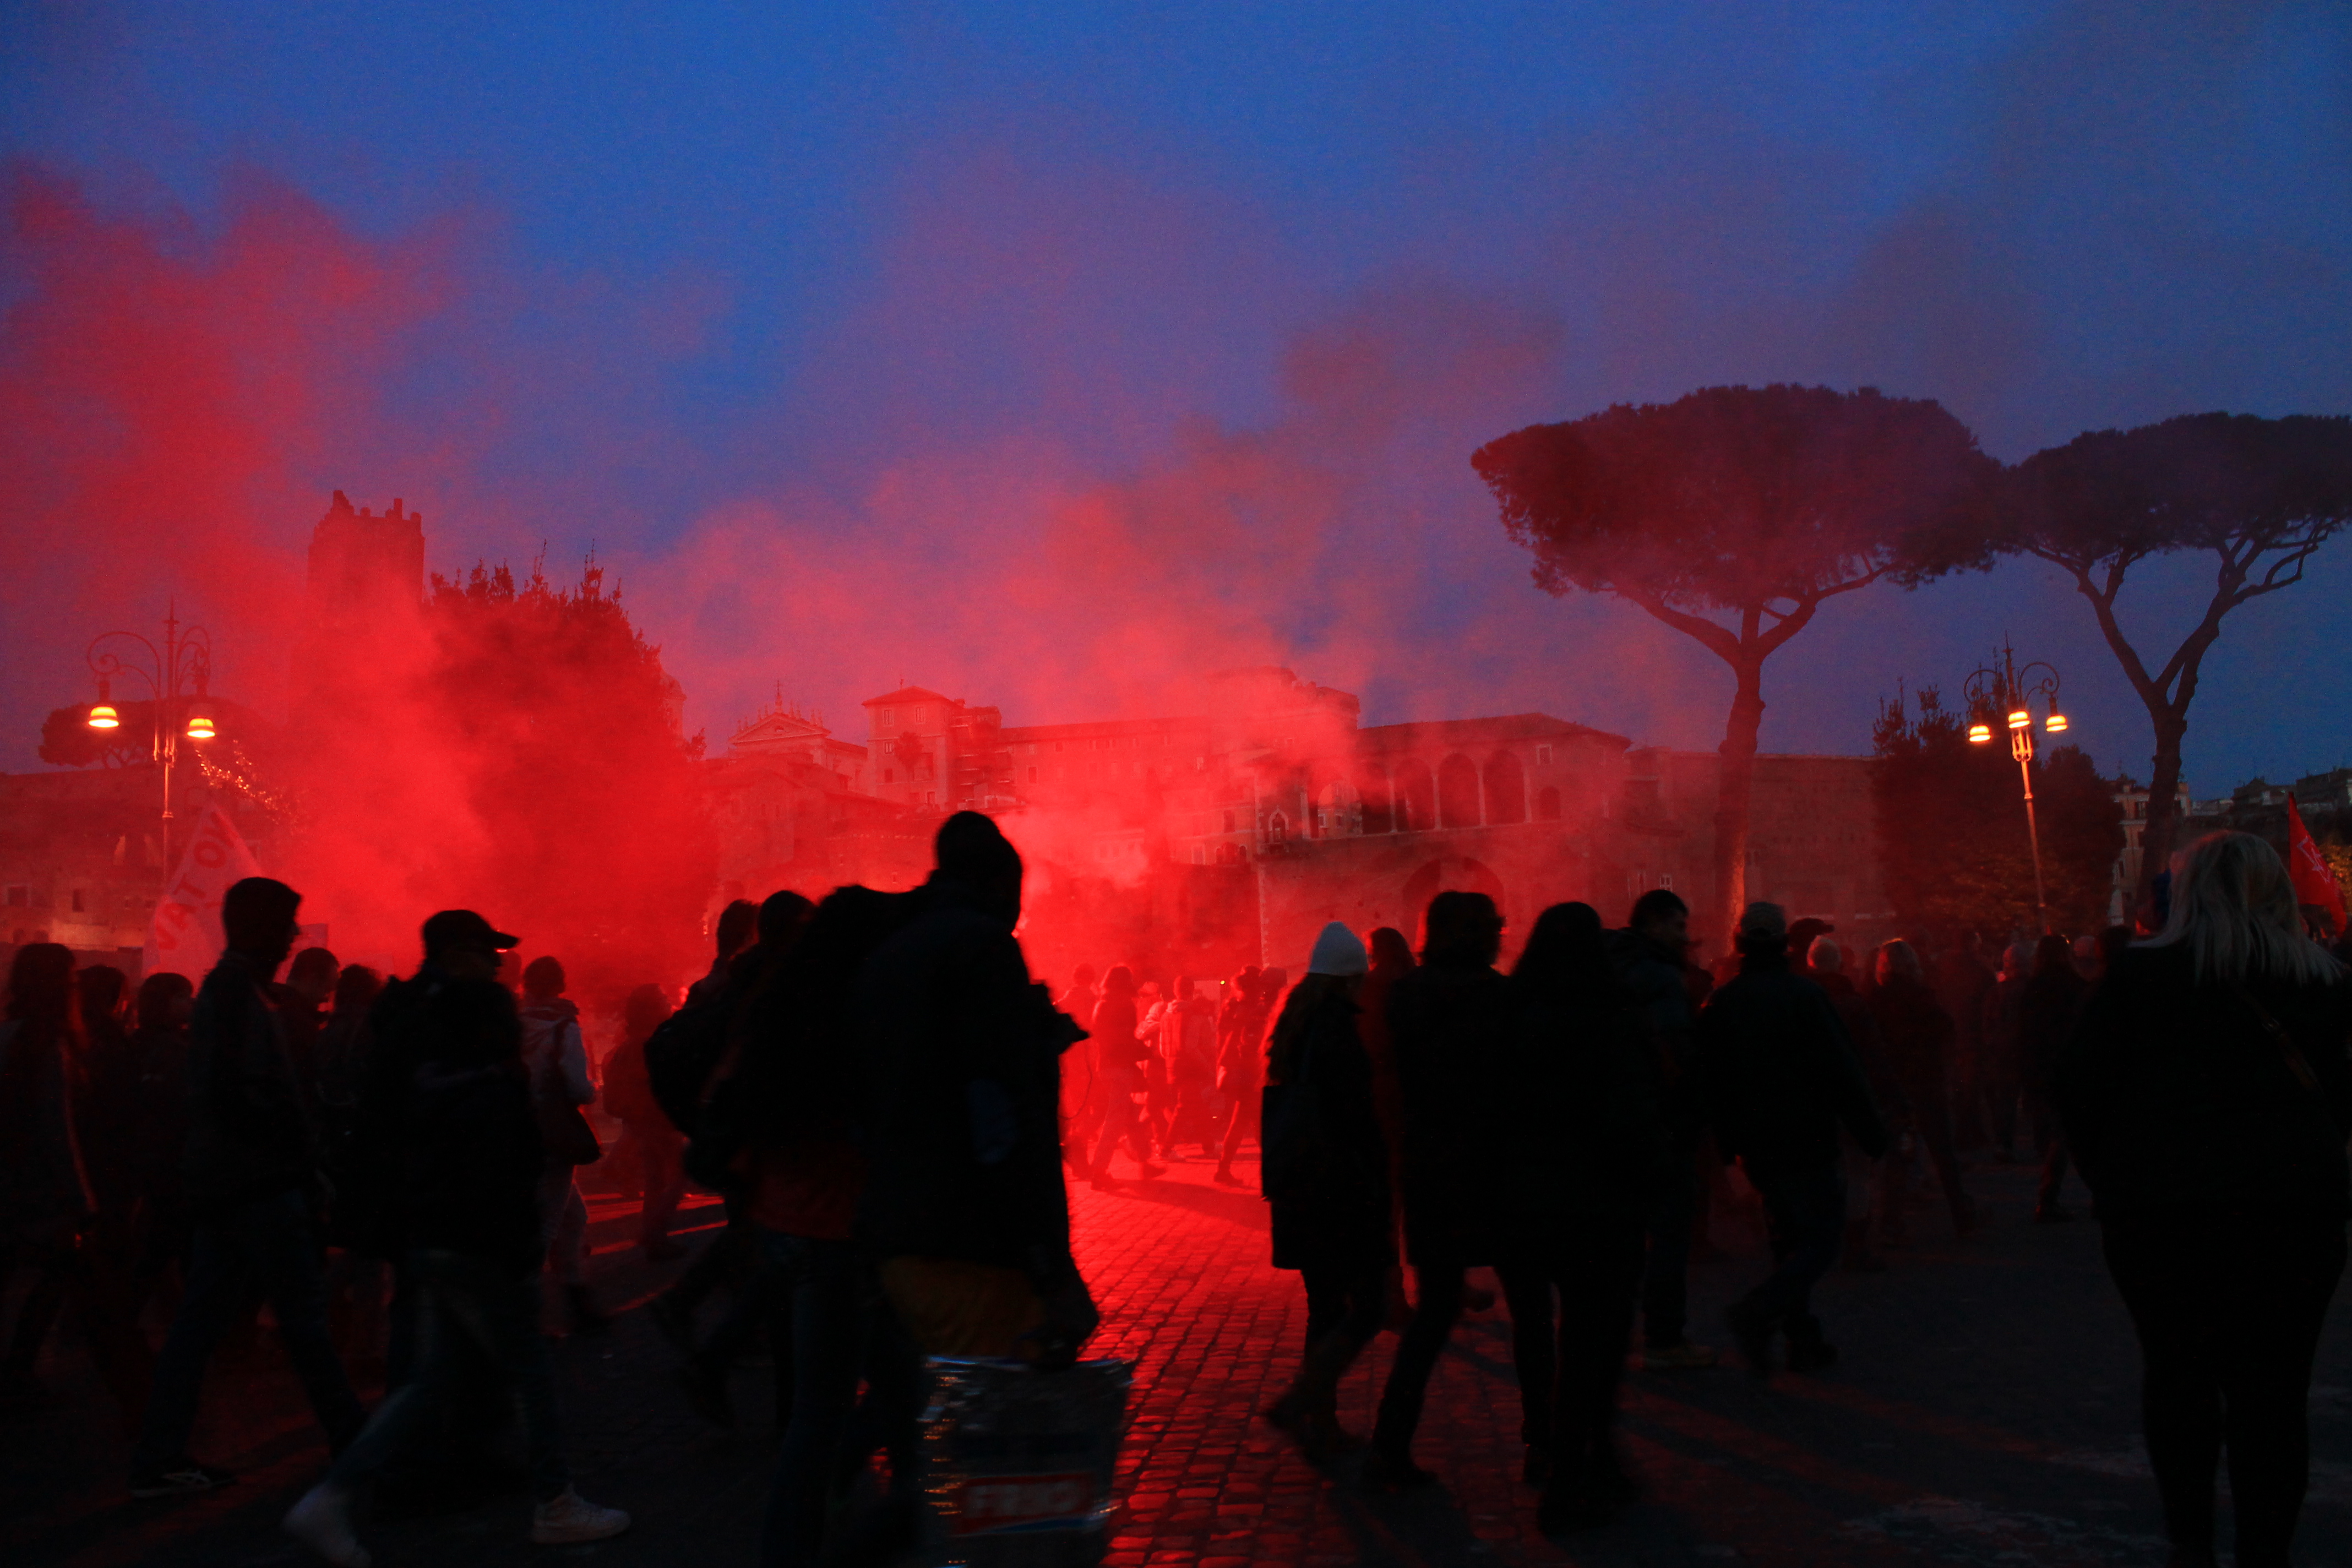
pixel 1325 1173
pixel 1587 1149
pixel 2207 1096
pixel 1450 1022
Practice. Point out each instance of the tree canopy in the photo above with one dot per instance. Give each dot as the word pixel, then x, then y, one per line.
pixel 2261 496
pixel 1732 514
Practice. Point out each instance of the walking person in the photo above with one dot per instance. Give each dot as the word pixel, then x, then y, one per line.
pixel 658 1147
pixel 254 1194
pixel 1324 1170
pixel 556 1055
pixel 1916 1034
pixel 2046 1016
pixel 1652 960
pixel 1188 1032
pixel 1783 1081
pixel 2207 1096
pixel 1120 1058
pixel 462 1132
pixel 1865 1178
pixel 1241 1060
pixel 1450 1021
pixel 1586 1147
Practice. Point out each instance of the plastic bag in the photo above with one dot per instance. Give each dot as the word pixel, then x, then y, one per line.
pixel 1018 1463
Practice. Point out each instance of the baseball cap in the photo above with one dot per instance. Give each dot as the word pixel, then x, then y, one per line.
pixel 464 928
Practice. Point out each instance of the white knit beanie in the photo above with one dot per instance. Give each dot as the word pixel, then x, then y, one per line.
pixel 1339 951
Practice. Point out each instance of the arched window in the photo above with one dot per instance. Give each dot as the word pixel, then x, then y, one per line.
pixel 1278 828
pixel 1457 792
pixel 1548 803
pixel 1415 799
pixel 1373 790
pixel 1506 789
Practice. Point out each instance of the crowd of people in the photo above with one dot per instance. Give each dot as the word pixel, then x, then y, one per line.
pixel 890 1109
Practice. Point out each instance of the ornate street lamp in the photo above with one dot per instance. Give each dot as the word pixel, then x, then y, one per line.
pixel 179 673
pixel 2010 693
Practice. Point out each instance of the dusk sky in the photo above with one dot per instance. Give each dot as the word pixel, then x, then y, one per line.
pixel 959 344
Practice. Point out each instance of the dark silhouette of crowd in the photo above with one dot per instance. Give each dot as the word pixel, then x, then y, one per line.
pixel 888 1107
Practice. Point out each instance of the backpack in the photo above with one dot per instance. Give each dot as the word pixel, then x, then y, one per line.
pixel 1292 1152
pixel 796 1064
pixel 680 1054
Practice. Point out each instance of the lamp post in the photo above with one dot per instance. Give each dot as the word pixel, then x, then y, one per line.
pixel 2005 694
pixel 179 673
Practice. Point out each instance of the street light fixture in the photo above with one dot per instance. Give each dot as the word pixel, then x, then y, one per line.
pixel 182 668
pixel 2005 686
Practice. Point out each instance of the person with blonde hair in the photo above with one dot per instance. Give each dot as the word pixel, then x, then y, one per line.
pixel 2207 1096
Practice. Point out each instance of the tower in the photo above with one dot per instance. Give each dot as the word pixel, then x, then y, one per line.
pixel 367 583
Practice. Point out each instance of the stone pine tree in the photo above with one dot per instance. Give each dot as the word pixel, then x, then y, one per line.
pixel 2259 496
pixel 1732 514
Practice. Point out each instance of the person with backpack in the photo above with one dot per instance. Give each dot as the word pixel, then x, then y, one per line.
pixel 555 1054
pixel 658 1146
pixel 464 1132
pixel 1324 1171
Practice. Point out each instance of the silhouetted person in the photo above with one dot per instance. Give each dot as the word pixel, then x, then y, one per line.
pixel 302 1012
pixel 1864 1177
pixel 1188 1032
pixel 51 1209
pixel 1587 1144
pixel 2207 1098
pixel 738 927
pixel 1081 1095
pixel 253 1195
pixel 656 1145
pixel 1964 985
pixel 1392 956
pixel 466 1142
pixel 159 1044
pixel 2047 1012
pixel 358 1268
pixel 1451 1023
pixel 964 1205
pixel 1119 1058
pixel 1652 960
pixel 1324 1168
pixel 556 1053
pixel 2000 1065
pixel 1241 1060
pixel 1915 1035
pixel 1783 1081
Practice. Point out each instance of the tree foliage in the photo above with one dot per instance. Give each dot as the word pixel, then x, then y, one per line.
pixel 2261 496
pixel 1732 514
pixel 1952 839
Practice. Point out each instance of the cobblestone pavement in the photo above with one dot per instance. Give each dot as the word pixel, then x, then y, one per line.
pixel 1985 1412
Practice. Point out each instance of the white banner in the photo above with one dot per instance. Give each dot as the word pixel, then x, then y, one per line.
pixel 186 938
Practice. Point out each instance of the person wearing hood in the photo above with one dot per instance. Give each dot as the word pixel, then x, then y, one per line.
pixel 1585 1149
pixel 556 1053
pixel 463 1135
pixel 1451 1023
pixel 254 1194
pixel 1324 1170
pixel 1784 1082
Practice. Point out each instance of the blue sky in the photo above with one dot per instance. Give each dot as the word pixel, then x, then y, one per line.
pixel 863 296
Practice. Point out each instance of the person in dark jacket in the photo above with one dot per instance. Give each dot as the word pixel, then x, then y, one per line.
pixel 2205 1096
pixel 2046 1016
pixel 1450 1022
pixel 159 1043
pixel 658 1147
pixel 1866 1177
pixel 1784 1081
pixel 1325 1173
pixel 1916 1036
pixel 469 1161
pixel 1652 960
pixel 1119 1058
pixel 1586 1149
pixel 254 1194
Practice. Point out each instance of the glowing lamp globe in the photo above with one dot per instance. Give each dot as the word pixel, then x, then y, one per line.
pixel 200 728
pixel 1979 734
pixel 2021 720
pixel 104 717
pixel 2055 723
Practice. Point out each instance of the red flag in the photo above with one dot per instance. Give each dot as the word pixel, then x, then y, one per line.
pixel 2314 884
